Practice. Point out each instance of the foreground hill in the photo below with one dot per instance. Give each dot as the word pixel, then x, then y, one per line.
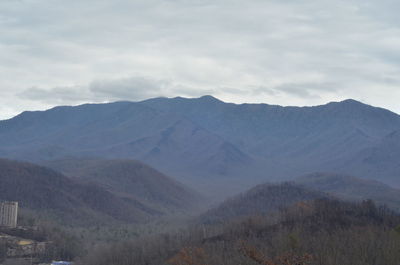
pixel 130 178
pixel 54 195
pixel 261 200
pixel 352 188
pixel 323 231
pixel 210 143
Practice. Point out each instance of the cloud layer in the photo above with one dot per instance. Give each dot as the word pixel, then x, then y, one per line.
pixel 287 52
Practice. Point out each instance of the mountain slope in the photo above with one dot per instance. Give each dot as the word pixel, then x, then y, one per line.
pixel 48 192
pixel 131 179
pixel 184 147
pixel 381 159
pixel 260 200
pixel 352 188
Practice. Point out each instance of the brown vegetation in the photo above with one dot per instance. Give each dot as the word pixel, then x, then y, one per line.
pixel 189 256
pixel 323 232
pixel 286 259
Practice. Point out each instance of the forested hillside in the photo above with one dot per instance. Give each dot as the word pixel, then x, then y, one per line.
pixel 261 200
pixel 68 201
pixel 352 188
pixel 132 179
pixel 320 232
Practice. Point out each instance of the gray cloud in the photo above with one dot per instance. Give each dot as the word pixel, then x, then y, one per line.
pixel 57 95
pixel 282 52
pixel 134 88
pixel 308 90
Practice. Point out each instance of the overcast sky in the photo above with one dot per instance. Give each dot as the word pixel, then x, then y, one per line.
pixel 287 52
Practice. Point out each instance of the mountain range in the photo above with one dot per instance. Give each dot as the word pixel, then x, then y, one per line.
pixel 213 146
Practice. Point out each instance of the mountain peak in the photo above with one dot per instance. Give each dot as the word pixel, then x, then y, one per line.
pixel 351 101
pixel 209 98
pixel 348 102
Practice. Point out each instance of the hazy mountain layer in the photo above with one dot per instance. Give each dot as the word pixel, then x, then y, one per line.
pixel 48 192
pixel 352 188
pixel 133 179
pixel 261 200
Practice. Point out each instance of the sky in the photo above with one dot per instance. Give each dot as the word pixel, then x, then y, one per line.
pixel 286 52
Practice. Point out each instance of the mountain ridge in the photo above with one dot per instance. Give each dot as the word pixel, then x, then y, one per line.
pixel 261 200
pixel 50 193
pixel 351 188
pixel 86 200
pixel 133 179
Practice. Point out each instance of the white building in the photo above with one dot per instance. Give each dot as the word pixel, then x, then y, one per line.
pixel 8 214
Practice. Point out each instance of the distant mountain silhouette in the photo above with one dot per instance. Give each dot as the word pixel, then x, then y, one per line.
pixel 131 179
pixel 215 145
pixel 352 188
